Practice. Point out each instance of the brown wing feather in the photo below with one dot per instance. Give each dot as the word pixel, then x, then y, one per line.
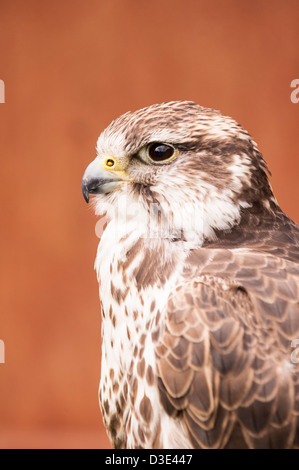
pixel 224 359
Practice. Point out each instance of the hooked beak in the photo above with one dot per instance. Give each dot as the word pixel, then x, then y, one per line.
pixel 96 180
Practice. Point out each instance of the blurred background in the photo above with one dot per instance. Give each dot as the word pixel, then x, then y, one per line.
pixel 69 68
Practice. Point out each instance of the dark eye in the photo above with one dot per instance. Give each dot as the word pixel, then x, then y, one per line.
pixel 160 152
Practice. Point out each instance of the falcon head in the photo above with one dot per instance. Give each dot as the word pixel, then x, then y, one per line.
pixel 188 170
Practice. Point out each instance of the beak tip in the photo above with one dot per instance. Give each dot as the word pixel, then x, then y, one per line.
pixel 85 193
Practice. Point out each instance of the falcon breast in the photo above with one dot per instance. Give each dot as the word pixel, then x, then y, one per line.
pixel 198 273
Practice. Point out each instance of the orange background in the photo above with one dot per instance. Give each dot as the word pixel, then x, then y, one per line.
pixel 69 68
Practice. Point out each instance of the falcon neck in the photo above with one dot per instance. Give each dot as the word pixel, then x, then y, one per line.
pixel 131 264
pixel 135 277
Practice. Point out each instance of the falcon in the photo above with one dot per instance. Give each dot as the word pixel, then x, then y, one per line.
pixel 198 274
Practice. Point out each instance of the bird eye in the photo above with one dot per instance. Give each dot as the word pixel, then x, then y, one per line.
pixel 160 152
